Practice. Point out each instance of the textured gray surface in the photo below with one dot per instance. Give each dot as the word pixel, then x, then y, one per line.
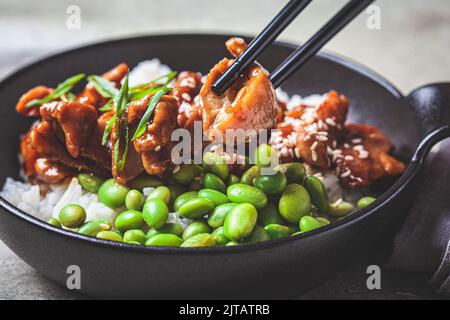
pixel 410 49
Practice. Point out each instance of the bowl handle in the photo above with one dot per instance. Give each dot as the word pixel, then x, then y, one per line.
pixel 431 106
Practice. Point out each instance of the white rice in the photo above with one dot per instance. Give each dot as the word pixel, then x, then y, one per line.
pixel 44 205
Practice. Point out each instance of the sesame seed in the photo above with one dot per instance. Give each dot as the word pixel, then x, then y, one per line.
pixel 176 169
pixel 314 156
pixel 346 174
pixel 314 145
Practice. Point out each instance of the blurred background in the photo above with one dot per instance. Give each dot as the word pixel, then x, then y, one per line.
pixel 410 48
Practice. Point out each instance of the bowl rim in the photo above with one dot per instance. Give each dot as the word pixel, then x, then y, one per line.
pixel 401 183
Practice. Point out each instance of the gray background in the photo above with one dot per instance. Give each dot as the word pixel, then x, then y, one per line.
pixel 412 48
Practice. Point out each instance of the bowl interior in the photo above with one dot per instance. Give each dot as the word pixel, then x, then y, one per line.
pixel 373 100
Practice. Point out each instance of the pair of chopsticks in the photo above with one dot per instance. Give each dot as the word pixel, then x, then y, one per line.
pixel 300 56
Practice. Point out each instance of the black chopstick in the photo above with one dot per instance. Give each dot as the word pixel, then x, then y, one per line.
pixel 261 42
pixel 299 57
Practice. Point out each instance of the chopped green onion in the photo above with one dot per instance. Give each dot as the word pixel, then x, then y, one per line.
pixel 103 86
pixel 62 88
pixel 107 106
pixel 120 163
pixel 148 113
pixel 169 77
pixel 107 131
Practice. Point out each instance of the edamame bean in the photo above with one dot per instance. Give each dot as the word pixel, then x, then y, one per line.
pixel 215 196
pixel 232 179
pixel 232 244
pixel 364 202
pixel 259 234
pixel 169 228
pixel 270 215
pixel 217 217
pixel 211 181
pixel 294 203
pixel 263 155
pixel 277 231
pixel 72 216
pixel 93 227
pixel 161 192
pixel 295 172
pixel 164 240
pixel 145 181
pixel 135 235
pixel 109 235
pixel 185 174
pixel 129 219
pixel 195 228
pixel 133 242
pixel 216 164
pixel 308 223
pixel 323 221
pixel 341 209
pixel 134 200
pixel 199 240
pixel 181 199
pixel 242 193
pixel 240 221
pixel 271 184
pixel 155 213
pixel 54 222
pixel 220 237
pixel 250 175
pixel 112 194
pixel 318 194
pixel 90 182
pixel 196 208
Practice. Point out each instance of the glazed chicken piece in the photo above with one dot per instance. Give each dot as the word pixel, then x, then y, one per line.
pixel 149 151
pixel 250 103
pixel 90 96
pixel 319 130
pixel 35 93
pixel 187 87
pixel 363 157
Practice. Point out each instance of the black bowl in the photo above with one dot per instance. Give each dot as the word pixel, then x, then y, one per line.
pixel 274 269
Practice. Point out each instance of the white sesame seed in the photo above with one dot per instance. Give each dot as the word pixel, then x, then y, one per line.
pixel 346 174
pixel 330 122
pixel 176 169
pixel 314 156
pixel 349 158
pixel 314 145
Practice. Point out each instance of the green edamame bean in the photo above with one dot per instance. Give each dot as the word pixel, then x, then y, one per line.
pixel 217 217
pixel 164 240
pixel 323 221
pixel 242 193
pixel 160 192
pixel 270 215
pixel 250 175
pixel 232 244
pixel 134 200
pixel 211 181
pixel 109 235
pixel 112 194
pixel 240 221
pixel 72 216
pixel 263 155
pixel 271 184
pixel 196 184
pixel 199 240
pixel 196 208
pixel 294 203
pixel 54 222
pixel 364 202
pixel 129 219
pixel 308 223
pixel 185 174
pixel 181 199
pixel 295 172
pixel 145 181
pixel 216 164
pixel 232 179
pixel 155 213
pixel 169 228
pixel 318 194
pixel 135 235
pixel 341 209
pixel 219 236
pixel 90 182
pixel 215 196
pixel 93 227
pixel 195 228
pixel 277 231
pixel 132 242
pixel 259 234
